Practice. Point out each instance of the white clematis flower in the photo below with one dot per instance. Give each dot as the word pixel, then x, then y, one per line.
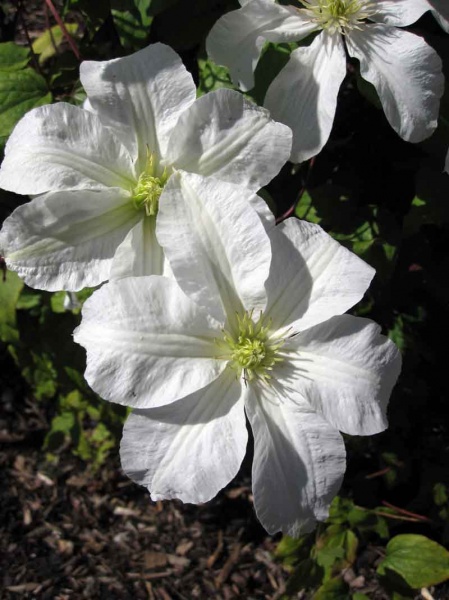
pixel 406 72
pixel 252 324
pixel 99 173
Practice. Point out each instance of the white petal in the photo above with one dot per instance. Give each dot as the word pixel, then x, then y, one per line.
pixel 304 94
pixel 299 463
pixel 139 253
pixel 399 12
pixel 441 7
pixel 147 343
pixel 312 277
pixel 224 135
pixel 237 38
pixel 215 242
pixel 443 21
pixel 346 370
pixel 190 449
pixel 66 240
pixel 140 96
pixel 60 147
pixel 407 75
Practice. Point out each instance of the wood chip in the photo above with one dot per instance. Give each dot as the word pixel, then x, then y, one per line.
pixel 228 566
pixel 154 560
pixel 216 553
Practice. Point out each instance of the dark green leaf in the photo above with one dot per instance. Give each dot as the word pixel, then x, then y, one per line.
pixel 13 57
pixel 334 589
pixel 132 22
pixel 20 91
pixel 419 561
pixel 9 294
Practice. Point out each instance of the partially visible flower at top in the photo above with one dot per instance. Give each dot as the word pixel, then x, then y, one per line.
pixel 100 173
pixel 251 323
pixel 404 69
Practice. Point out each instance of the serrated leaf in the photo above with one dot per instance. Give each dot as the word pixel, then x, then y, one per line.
pixel 20 91
pixel 48 42
pixel 419 561
pixel 13 57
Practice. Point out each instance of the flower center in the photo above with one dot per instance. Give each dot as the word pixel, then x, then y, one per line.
pixel 149 188
pixel 251 350
pixel 338 15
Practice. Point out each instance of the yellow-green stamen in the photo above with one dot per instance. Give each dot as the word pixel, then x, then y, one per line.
pixel 149 187
pixel 338 15
pixel 251 350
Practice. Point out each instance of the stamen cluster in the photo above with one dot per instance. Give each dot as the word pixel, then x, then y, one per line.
pixel 149 188
pixel 338 15
pixel 251 350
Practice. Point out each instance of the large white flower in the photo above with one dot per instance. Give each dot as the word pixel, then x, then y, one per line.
pixel 99 173
pixel 406 72
pixel 252 324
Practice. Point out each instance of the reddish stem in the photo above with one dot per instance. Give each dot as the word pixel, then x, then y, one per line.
pixel 67 35
pixel 403 511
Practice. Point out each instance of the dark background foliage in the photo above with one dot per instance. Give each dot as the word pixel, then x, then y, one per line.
pixel 64 504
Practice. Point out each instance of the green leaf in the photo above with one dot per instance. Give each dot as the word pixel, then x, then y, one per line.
pixel 20 91
pixel 48 42
pixel 132 21
pixel 293 550
pixel 29 299
pixel 95 13
pixel 212 77
pixel 334 589
pixel 273 60
pixel 13 57
pixel 307 574
pixel 9 295
pixel 419 561
pixel 440 496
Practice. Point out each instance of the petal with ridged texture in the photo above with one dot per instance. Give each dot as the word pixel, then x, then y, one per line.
pixel 346 370
pixel 140 253
pixel 190 449
pixel 215 242
pixel 147 343
pixel 299 463
pixel 407 74
pixel 140 96
pixel 399 12
pixel 237 38
pixel 230 138
pixel 63 147
pixel 304 93
pixel 67 240
pixel 312 277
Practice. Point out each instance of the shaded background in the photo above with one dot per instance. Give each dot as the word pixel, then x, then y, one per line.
pixel 72 526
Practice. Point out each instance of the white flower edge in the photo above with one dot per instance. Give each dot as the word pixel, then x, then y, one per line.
pixel 141 112
pixel 339 362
